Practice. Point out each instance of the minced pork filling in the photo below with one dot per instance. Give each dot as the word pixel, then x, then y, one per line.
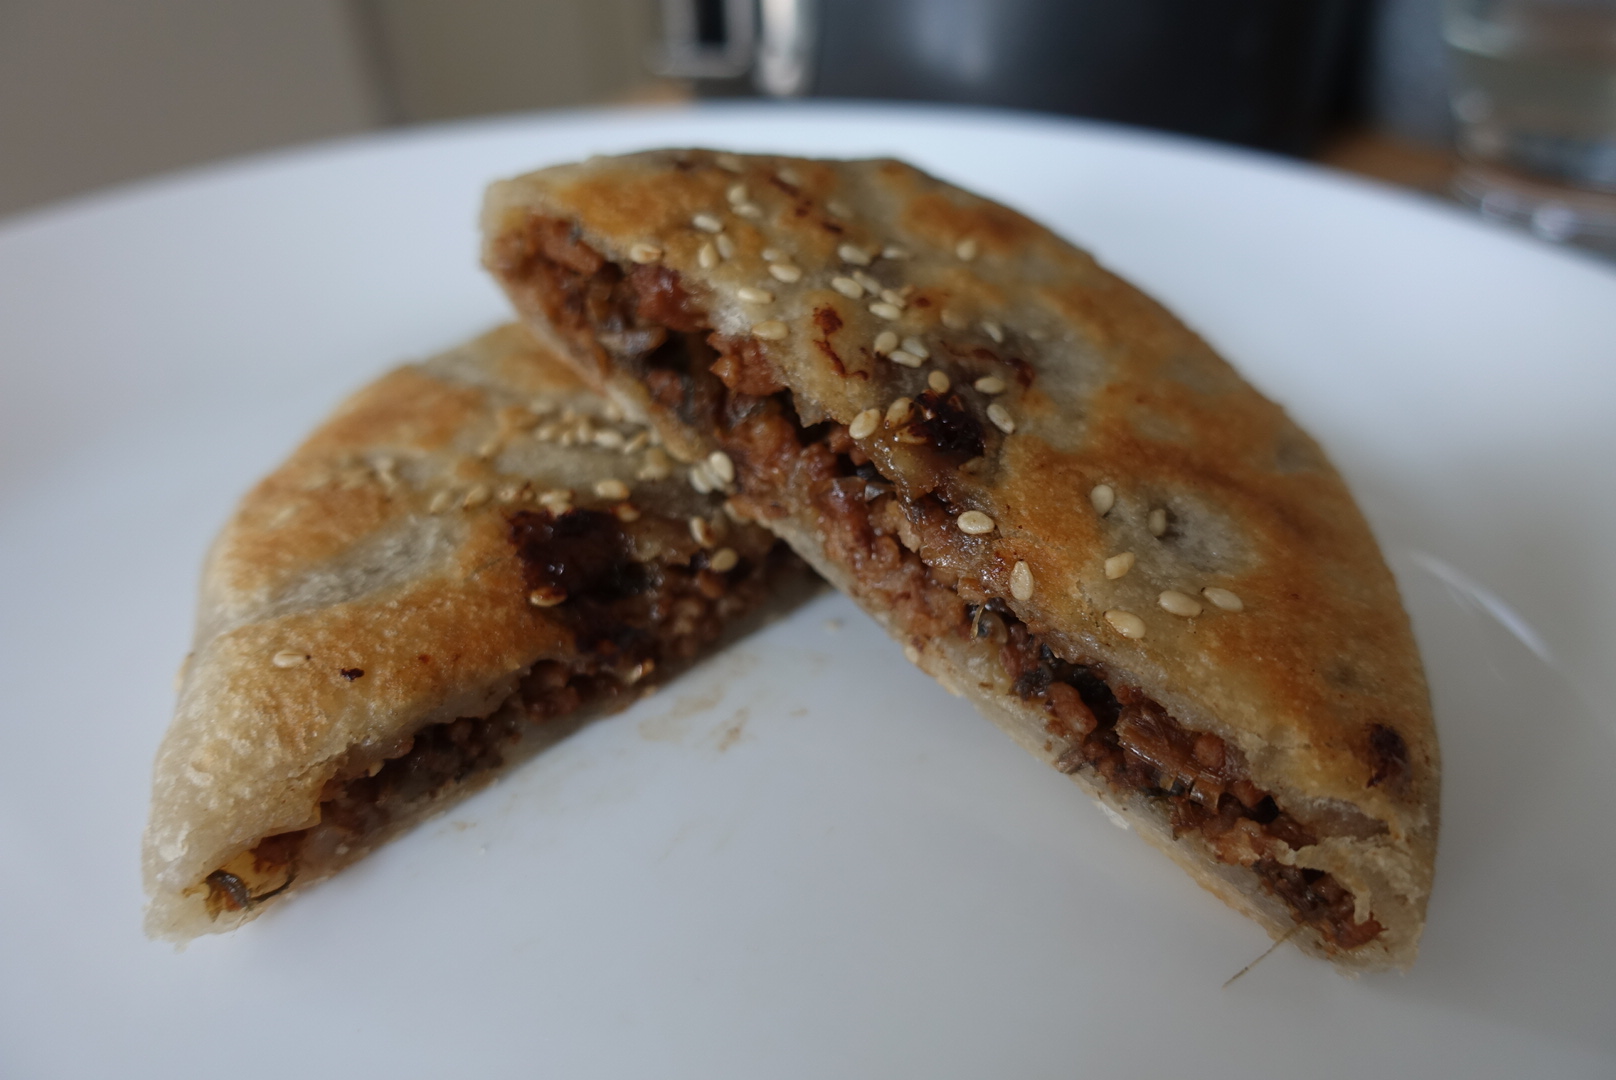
pixel 720 388
pixel 628 617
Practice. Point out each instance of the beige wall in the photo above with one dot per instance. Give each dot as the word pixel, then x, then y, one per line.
pixel 469 57
pixel 94 92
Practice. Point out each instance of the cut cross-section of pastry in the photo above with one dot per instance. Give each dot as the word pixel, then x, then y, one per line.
pixel 470 557
pixel 1061 501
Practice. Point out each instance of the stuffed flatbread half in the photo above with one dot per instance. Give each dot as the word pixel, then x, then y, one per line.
pixel 1060 500
pixel 469 558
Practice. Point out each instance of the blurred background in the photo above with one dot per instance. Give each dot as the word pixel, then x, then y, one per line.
pixel 1418 92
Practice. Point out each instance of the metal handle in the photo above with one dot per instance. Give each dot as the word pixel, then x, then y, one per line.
pixel 723 39
pixel 706 39
pixel 786 47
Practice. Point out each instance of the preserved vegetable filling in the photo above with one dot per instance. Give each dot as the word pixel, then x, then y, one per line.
pixel 629 617
pixel 641 321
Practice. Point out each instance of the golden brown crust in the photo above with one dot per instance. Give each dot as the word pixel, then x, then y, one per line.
pixel 1317 680
pixel 369 587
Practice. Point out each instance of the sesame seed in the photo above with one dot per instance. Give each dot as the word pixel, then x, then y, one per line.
pixel 895 298
pixel 893 251
pixel 1156 522
pixel 899 411
pixel 1102 497
pixel 478 495
pixel 1001 418
pixel 707 223
pixel 1223 598
pixel 911 654
pixel 953 320
pixel 866 282
pixel 886 311
pixel 702 479
pixel 772 254
pixel 915 347
pixel 612 489
pixel 748 210
pixel 773 330
pixel 1117 566
pixel 707 256
pixel 547 596
pixel 287 658
pixel 440 502
pixel 847 287
pixel 837 208
pixel 989 384
pixel 640 441
pixel 701 531
pixel 556 500
pixel 939 382
pixel 1126 623
pixel 626 512
pixel 736 194
pixel 994 331
pixel 788 174
pixel 966 249
pixel 1181 604
pixel 728 162
pixel 656 466
pixel 511 493
pixel 864 424
pixel 723 561
pixel 885 342
pixel 785 272
pixel 722 466
pixel 974 523
pixel 1021 581
pixel 852 253
pixel 609 439
pixel 754 296
pixel 643 253
pixel 904 357
pixel 725 245
pixel 612 411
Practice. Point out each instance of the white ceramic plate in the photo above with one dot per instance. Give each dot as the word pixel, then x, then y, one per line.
pixel 803 860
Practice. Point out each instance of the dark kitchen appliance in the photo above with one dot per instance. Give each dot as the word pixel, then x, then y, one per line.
pixel 1265 73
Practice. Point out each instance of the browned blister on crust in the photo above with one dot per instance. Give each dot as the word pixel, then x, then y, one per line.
pixel 1060 499
pixel 471 556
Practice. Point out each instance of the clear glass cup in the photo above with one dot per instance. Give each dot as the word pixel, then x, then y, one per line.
pixel 1534 97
